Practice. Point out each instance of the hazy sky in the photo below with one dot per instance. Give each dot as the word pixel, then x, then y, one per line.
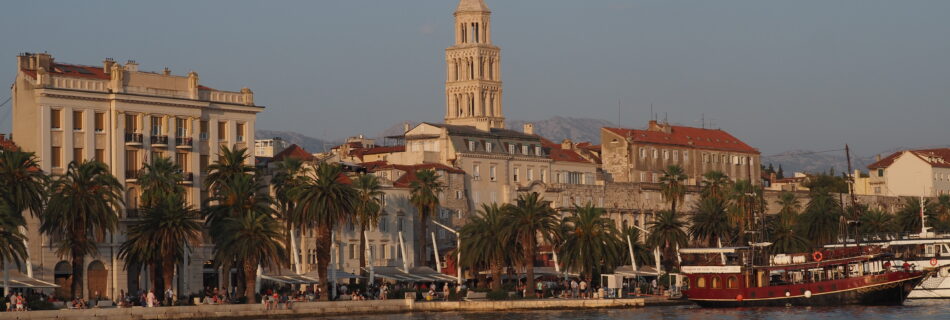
pixel 778 74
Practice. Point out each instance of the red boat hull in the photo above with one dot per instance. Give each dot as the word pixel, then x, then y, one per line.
pixel 889 288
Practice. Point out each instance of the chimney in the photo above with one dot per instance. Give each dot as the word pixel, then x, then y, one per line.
pixel 567 144
pixel 528 128
pixel 405 127
pixel 654 126
pixel 43 60
pixel 167 71
pixel 107 65
pixel 248 96
pixel 131 66
pixel 23 61
pixel 193 85
pixel 877 157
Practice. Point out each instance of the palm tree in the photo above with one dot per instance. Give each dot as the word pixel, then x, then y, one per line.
pixel 252 238
pixel 715 184
pixel 821 219
pixel 323 202
pixel 484 243
pixel 367 210
pixel 877 224
pixel 81 211
pixel 530 219
pixel 12 241
pixel 941 223
pixel 667 231
pixel 674 187
pixel 640 250
pixel 909 217
pixel 743 199
pixel 785 237
pixel 591 242
pixel 162 236
pixel 23 182
pixel 710 224
pixel 790 206
pixel 289 175
pixel 160 180
pixel 424 195
pixel 230 163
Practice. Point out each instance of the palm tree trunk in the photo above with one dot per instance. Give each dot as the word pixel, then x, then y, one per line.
pixel 529 267
pixel 250 272
pixel 323 259
pixel 168 272
pixel 241 278
pixel 422 256
pixel 363 252
pixel 153 276
pixel 496 276
pixel 77 275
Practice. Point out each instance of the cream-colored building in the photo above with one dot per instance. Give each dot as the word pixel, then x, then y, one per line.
pixel 124 118
pixel 267 148
pixel 917 173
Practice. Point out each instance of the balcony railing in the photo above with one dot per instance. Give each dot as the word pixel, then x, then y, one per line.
pixel 131 174
pixel 183 142
pixel 159 140
pixel 133 213
pixel 187 177
pixel 133 137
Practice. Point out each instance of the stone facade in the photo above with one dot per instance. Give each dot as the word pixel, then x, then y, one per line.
pixel 473 72
pixel 122 117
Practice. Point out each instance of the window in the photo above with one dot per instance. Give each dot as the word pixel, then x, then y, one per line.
pixel 203 135
pixel 77 155
pixel 511 148
pixel 524 149
pixel 530 174
pixel 643 153
pixel 643 177
pixel 656 178
pixel 155 155
pixel 716 283
pixel 701 282
pixel 56 157
pixel 181 127
pixel 491 173
pixel 543 176
pixel 55 119
pixel 203 162
pixel 656 154
pixel 494 198
pixel 471 145
pixel 130 124
pixel 100 122
pixel 400 224
pixel 181 159
pixel 383 225
pixel 157 126
pixel 537 150
pixel 676 155
pixel 131 160
pixel 222 130
pixel 383 252
pixel 476 173
pixel 458 194
pixel 880 172
pixel 352 251
pixel 705 158
pixel 685 156
pixel 240 131
pixel 100 155
pixel 77 120
pixel 666 155
pixel 725 159
pixel 515 174
pixel 488 146
pixel 732 283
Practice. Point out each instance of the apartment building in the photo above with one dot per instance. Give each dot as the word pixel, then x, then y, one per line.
pixel 917 173
pixel 123 117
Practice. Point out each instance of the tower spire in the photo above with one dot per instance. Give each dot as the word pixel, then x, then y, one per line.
pixel 473 75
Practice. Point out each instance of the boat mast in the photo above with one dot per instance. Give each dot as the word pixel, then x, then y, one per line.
pixel 854 208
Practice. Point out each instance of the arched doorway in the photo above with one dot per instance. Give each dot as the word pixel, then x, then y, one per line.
pixel 98 277
pixel 63 277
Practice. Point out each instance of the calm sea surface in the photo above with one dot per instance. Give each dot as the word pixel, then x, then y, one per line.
pixel 914 309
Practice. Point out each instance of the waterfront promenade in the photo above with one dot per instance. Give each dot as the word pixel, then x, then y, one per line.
pixel 320 308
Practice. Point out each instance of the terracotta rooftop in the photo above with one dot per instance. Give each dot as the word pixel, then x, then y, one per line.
pixel 556 153
pixel 293 151
pixel 406 179
pixel 360 152
pixel 886 161
pixel 7 144
pixel 73 70
pixel 715 139
pixel 938 157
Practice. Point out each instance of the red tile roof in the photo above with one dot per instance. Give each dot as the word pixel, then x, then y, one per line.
pixel 939 157
pixel 7 144
pixel 376 150
pixel 886 161
pixel 556 153
pixel 714 139
pixel 293 151
pixel 74 70
pixel 406 179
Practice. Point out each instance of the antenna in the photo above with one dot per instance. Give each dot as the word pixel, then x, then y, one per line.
pixel 652 115
pixel 619 114
pixel 665 118
pixel 703 119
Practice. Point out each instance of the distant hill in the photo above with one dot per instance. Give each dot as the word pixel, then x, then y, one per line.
pixel 812 162
pixel 554 129
pixel 310 144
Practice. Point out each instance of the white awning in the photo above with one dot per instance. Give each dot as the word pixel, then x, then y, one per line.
pixel 711 269
pixel 643 271
pixel 20 280
pixel 711 250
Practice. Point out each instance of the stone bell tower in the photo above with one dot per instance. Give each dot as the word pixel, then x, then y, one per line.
pixel 473 77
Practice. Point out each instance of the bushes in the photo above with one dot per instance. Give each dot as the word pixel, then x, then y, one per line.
pixel 497 295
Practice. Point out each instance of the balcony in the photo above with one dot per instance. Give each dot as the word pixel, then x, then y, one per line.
pixel 133 213
pixel 158 141
pixel 183 142
pixel 133 138
pixel 131 175
pixel 187 177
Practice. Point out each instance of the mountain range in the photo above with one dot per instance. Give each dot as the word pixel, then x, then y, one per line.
pixel 585 129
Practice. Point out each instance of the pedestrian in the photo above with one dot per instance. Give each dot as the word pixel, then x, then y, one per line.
pixel 583 288
pixel 445 292
pixel 150 299
pixel 574 288
pixel 20 302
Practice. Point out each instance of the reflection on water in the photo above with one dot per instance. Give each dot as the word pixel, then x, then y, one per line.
pixel 914 309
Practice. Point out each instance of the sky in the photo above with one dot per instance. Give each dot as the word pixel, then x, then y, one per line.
pixel 780 75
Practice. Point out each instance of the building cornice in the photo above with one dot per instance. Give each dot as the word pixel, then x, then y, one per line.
pixel 131 98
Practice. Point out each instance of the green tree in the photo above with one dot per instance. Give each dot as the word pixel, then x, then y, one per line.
pixel 230 163
pixel 785 238
pixel 641 252
pixel 790 207
pixel 715 185
pixel 484 245
pixel 162 236
pixel 530 219
pixel 252 238
pixel 673 185
pixel 667 231
pixel 876 224
pixel 591 242
pixel 367 210
pixel 908 217
pixel 81 211
pixel 324 201
pixel 710 224
pixel 822 218
pixel 781 173
pixel 160 180
pixel 22 182
pixel 743 199
pixel 424 195
pixel 941 223
pixel 289 174
pixel 12 241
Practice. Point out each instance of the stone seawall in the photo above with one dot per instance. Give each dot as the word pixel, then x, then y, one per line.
pixel 311 309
